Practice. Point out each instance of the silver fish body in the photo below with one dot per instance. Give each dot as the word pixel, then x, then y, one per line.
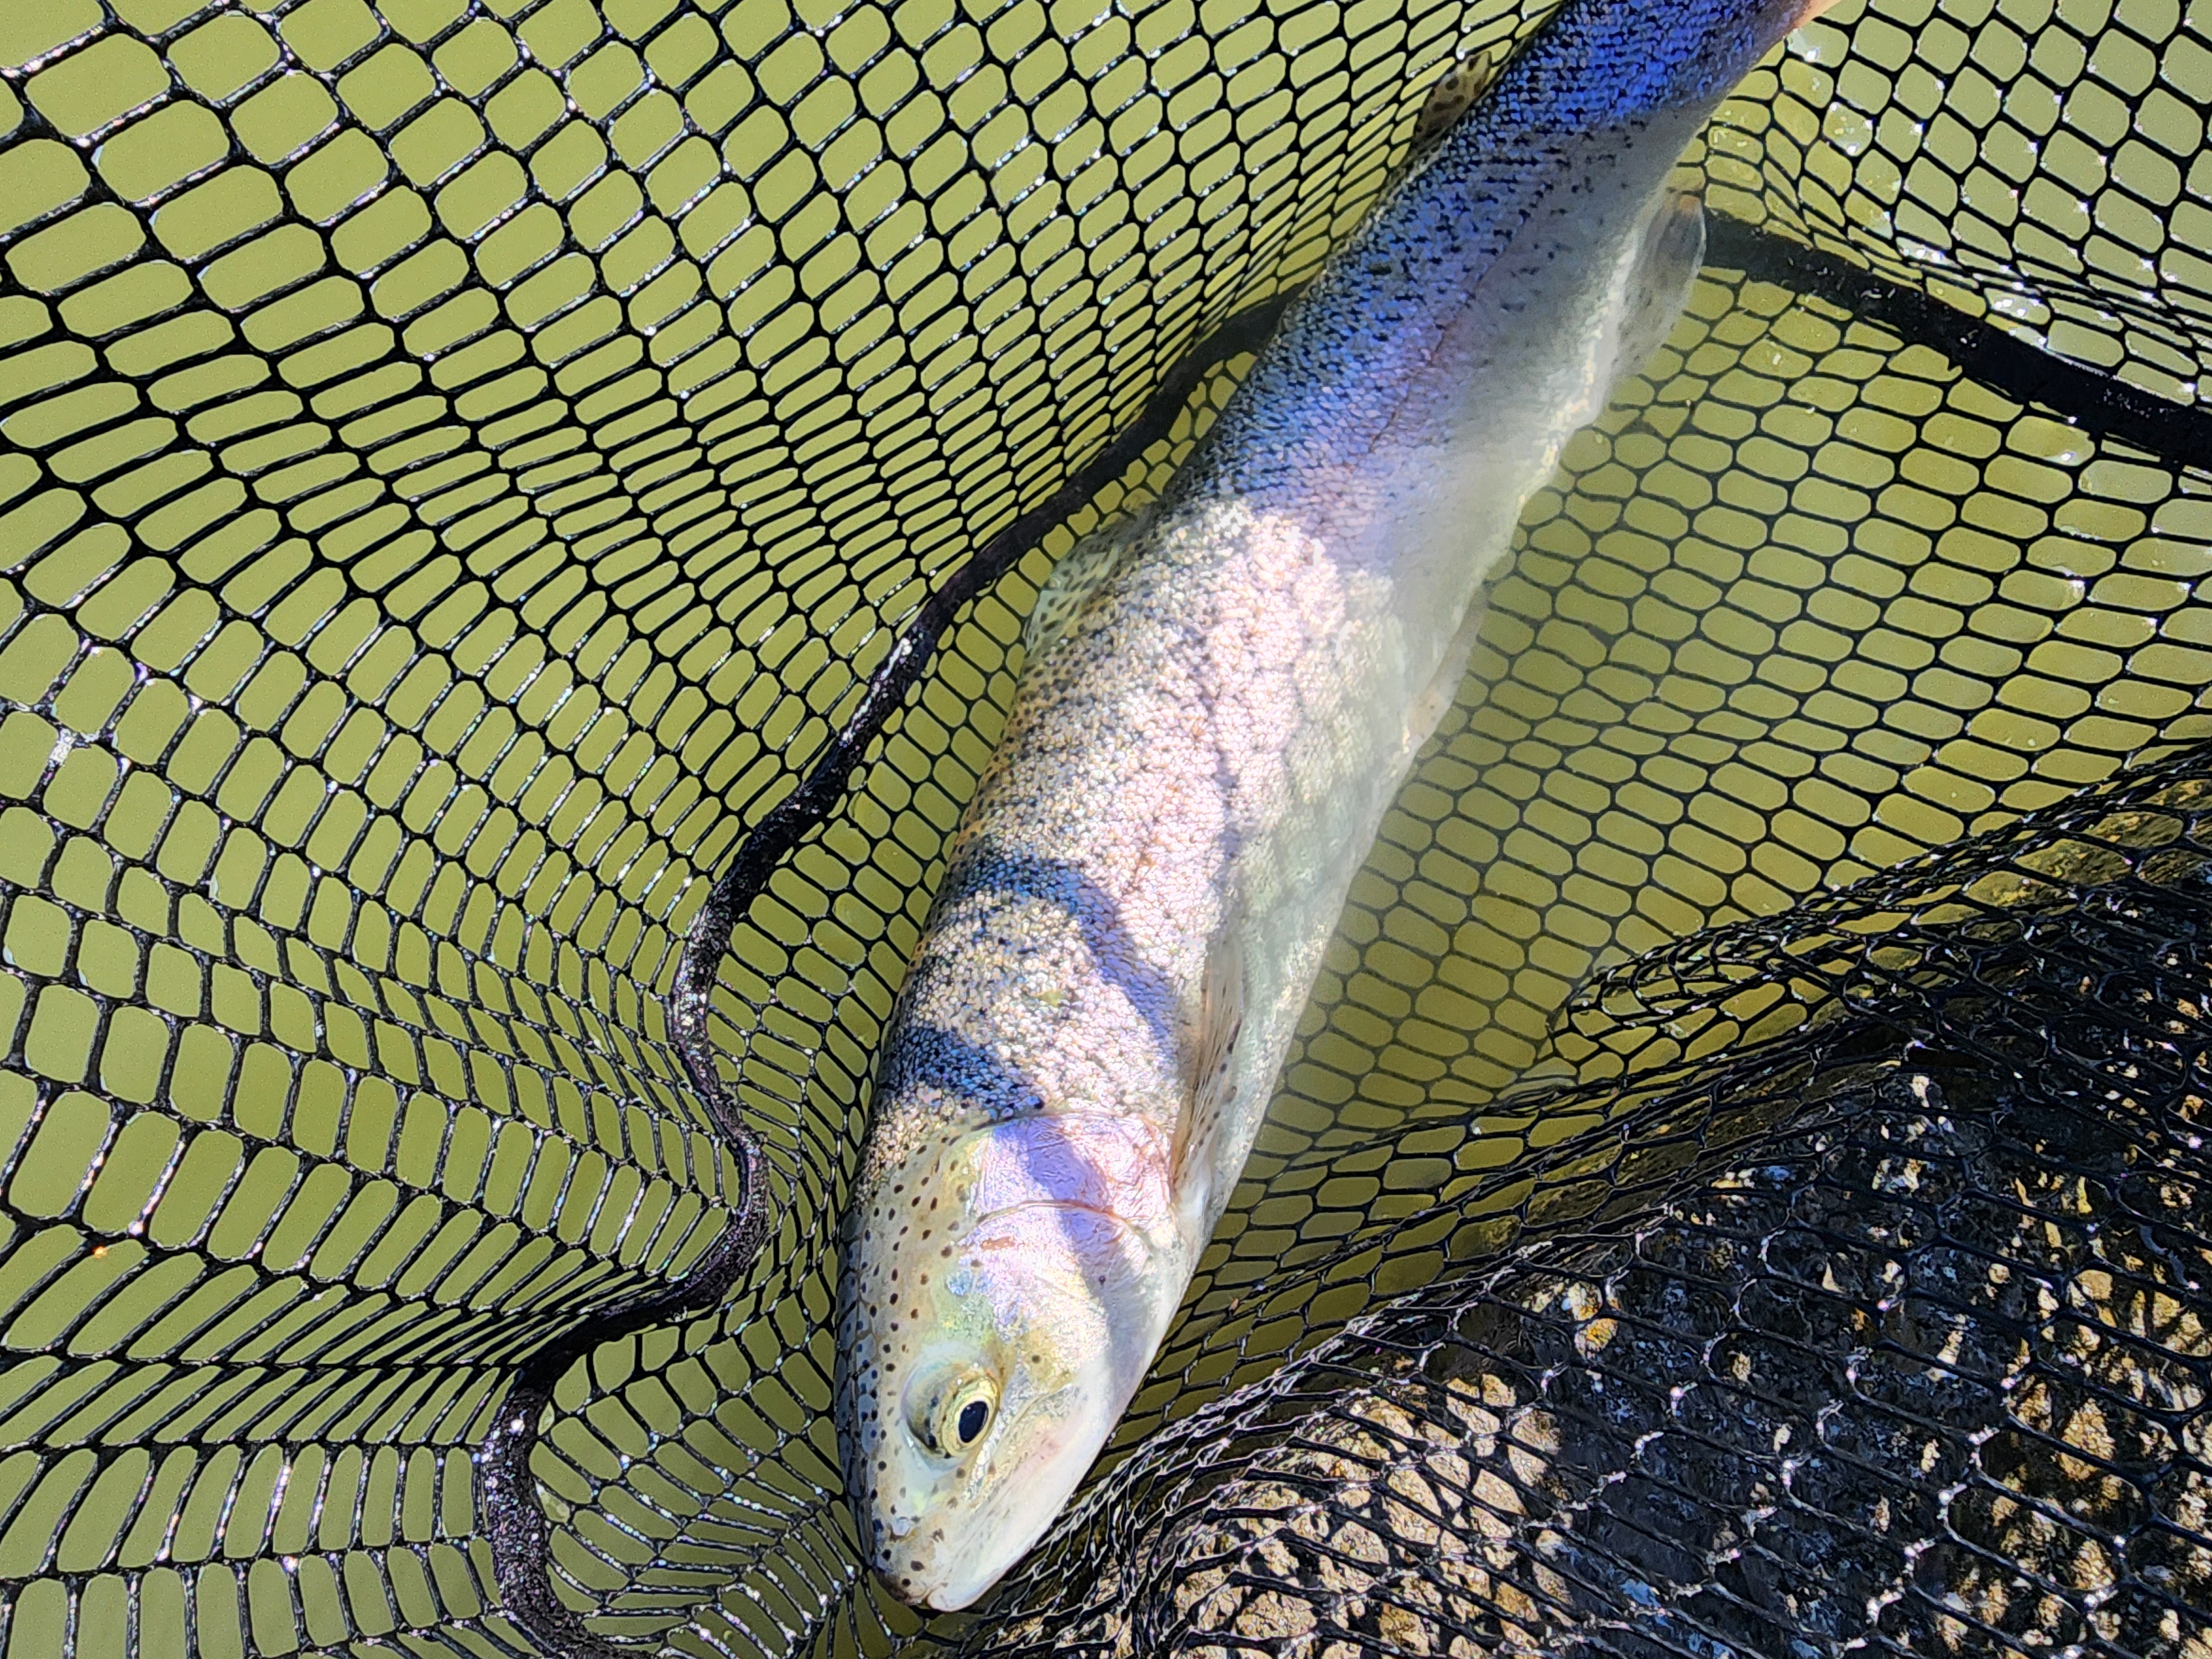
pixel 1222 700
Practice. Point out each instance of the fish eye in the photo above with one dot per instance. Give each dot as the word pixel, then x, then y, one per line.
pixel 973 1416
pixel 954 1415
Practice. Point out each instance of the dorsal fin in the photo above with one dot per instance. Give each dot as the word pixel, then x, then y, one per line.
pixel 1460 86
pixel 1081 572
pixel 1210 1055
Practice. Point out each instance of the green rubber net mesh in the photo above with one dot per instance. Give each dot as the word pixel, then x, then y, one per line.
pixel 463 463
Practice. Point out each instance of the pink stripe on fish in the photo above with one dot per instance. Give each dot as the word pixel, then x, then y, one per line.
pixel 1116 1165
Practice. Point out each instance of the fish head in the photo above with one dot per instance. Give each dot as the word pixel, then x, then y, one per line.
pixel 1000 1297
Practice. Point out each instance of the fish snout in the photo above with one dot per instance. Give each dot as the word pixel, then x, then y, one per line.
pixel 912 1578
pixel 914 1557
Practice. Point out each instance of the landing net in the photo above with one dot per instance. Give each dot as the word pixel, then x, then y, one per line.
pixel 473 475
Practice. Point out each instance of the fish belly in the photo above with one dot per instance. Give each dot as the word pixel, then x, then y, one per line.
pixel 1400 543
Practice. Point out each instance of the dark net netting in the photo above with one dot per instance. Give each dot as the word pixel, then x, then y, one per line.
pixel 515 521
pixel 1892 1333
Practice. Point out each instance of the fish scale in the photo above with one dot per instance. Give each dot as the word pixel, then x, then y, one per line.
pixel 1222 699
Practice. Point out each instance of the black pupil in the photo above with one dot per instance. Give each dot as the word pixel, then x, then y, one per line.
pixel 971 1420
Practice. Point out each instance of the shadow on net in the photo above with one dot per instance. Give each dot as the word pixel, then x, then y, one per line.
pixel 1890 1333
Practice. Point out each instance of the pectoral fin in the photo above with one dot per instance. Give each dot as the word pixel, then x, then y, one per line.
pixel 1210 1050
pixel 1662 269
pixel 1428 708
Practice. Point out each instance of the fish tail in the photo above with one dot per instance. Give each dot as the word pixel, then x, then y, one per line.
pixel 1607 64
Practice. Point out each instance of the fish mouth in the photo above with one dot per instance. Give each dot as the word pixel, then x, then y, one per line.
pixel 943 1587
pixel 931 1595
pixel 949 1591
pixel 937 1601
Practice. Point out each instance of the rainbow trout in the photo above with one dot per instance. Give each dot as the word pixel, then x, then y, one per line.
pixel 1221 700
